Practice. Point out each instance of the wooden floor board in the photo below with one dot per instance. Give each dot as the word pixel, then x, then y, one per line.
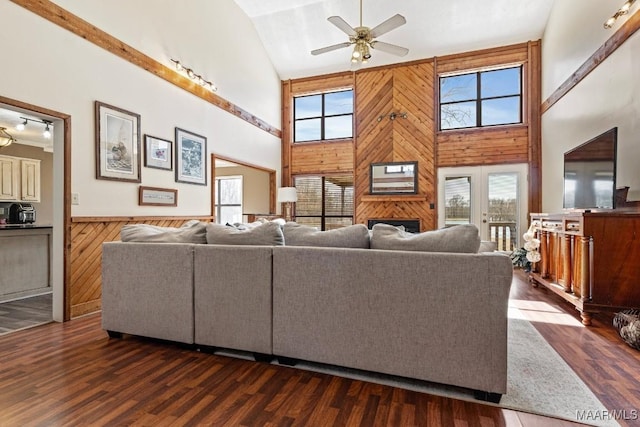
pixel 73 374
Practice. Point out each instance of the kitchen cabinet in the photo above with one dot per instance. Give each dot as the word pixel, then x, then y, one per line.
pixel 19 179
pixel 30 180
pixel 9 176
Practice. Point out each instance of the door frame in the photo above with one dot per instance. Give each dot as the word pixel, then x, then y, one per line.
pixel 61 276
pixel 479 174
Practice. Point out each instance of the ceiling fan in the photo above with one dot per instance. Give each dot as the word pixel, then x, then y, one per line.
pixel 363 38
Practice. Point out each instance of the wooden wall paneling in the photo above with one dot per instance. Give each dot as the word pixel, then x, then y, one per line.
pixel 485 58
pixel 535 125
pixel 327 82
pixel 87 236
pixel 287 136
pixel 322 157
pixel 484 146
pixel 400 89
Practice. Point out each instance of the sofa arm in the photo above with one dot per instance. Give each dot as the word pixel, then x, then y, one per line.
pixel 147 290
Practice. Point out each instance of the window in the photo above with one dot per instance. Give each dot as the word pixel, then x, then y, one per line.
pixel 485 98
pixel 228 201
pixel 323 116
pixel 325 202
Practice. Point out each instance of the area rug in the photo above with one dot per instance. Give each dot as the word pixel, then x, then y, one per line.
pixel 539 380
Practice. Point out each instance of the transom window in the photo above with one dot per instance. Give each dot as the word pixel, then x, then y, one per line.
pixel 484 98
pixel 323 116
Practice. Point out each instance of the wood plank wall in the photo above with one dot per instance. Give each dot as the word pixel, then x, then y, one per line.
pixel 412 88
pixel 406 89
pixel 87 236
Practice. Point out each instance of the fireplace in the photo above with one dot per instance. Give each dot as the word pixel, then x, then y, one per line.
pixel 410 225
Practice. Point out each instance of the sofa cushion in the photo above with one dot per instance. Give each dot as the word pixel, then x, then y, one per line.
pixel 267 234
pixel 352 236
pixel 193 231
pixel 459 238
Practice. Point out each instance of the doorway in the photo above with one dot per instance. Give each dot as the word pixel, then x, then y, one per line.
pixel 61 209
pixel 494 198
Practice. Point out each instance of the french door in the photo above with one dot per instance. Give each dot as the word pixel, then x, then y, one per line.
pixel 494 198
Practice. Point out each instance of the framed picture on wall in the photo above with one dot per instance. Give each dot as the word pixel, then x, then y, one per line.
pixel 158 153
pixel 191 157
pixel 117 137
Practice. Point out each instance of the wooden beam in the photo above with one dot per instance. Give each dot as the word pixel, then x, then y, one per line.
pixel 65 19
pixel 599 56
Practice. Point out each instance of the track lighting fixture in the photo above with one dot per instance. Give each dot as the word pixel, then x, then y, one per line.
pixel 5 138
pixel 47 126
pixel 624 9
pixel 193 76
pixel 392 116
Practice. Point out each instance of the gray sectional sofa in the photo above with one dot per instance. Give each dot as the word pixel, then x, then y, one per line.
pixel 434 316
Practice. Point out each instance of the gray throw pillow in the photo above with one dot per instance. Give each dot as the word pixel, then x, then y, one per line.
pixel 193 231
pixel 351 236
pixel 267 234
pixel 463 238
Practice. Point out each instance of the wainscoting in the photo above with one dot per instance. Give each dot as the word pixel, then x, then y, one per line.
pixel 87 236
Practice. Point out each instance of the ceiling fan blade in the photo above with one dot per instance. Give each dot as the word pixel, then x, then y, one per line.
pixel 342 24
pixel 388 25
pixel 330 48
pixel 389 48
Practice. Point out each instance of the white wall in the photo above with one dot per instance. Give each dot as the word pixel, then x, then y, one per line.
pixel 255 187
pixel 48 66
pixel 608 97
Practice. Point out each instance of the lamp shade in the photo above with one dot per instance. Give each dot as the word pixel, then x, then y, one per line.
pixel 287 194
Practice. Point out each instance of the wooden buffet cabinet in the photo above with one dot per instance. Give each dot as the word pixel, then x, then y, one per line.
pixel 591 259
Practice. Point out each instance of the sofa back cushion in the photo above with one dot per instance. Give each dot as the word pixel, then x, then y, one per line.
pixel 462 238
pixel 193 231
pixel 267 234
pixel 352 236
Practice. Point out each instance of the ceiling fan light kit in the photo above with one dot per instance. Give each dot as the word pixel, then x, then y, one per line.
pixel 363 38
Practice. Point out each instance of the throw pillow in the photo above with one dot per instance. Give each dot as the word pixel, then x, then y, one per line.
pixel 352 236
pixel 463 238
pixel 266 234
pixel 193 231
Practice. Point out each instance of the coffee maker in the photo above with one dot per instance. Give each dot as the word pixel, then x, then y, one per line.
pixel 22 213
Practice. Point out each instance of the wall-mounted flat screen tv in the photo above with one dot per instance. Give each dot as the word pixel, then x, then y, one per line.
pixel 590 173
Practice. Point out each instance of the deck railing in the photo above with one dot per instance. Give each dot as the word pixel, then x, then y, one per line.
pixel 504 234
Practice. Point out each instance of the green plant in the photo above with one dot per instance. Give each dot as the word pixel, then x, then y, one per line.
pixel 519 259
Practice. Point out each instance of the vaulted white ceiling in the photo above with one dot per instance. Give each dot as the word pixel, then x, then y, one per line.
pixel 290 29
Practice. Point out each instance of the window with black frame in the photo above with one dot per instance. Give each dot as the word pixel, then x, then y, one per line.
pixel 480 99
pixel 323 116
pixel 324 202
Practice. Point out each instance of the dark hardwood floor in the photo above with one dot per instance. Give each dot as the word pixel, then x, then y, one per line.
pixel 72 374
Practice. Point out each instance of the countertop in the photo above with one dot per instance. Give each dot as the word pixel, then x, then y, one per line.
pixel 23 226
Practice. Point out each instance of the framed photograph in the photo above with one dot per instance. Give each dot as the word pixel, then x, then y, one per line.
pixel 191 157
pixel 152 196
pixel 117 143
pixel 158 153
